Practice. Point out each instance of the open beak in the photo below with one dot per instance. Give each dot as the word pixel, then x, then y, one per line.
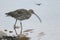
pixel 38 17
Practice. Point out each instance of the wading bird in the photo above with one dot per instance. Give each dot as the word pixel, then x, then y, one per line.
pixel 21 14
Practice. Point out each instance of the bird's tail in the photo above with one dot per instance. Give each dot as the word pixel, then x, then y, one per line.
pixel 8 14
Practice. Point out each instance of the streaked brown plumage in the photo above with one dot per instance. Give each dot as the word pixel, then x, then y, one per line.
pixel 22 14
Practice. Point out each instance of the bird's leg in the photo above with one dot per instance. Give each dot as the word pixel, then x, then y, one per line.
pixel 21 27
pixel 15 26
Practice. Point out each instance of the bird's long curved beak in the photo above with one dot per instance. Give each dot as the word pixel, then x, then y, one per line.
pixel 37 17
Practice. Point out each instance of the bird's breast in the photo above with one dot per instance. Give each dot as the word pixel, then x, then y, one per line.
pixel 23 17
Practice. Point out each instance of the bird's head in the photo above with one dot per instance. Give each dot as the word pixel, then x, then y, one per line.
pixel 31 11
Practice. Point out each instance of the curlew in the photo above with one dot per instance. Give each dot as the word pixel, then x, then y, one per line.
pixel 21 14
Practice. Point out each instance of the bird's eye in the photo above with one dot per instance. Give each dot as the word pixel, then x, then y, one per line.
pixel 31 11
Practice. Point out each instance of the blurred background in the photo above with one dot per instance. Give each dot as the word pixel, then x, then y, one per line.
pixel 48 11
